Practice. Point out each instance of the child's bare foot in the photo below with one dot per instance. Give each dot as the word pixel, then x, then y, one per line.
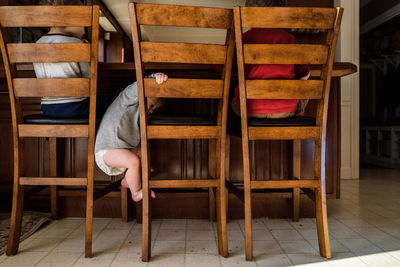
pixel 138 195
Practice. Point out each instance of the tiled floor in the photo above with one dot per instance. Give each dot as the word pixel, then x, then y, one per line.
pixel 364 227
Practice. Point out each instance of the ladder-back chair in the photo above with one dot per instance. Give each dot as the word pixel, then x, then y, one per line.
pixel 296 128
pixel 19 88
pixel 214 129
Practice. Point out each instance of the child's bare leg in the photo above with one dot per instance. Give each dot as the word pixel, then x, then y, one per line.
pixel 137 150
pixel 124 158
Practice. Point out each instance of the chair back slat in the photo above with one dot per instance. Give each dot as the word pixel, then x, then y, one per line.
pixel 284 89
pixel 289 17
pixel 49 53
pixel 185 16
pixel 183 53
pixel 184 88
pixel 285 54
pixel 45 16
pixel 71 87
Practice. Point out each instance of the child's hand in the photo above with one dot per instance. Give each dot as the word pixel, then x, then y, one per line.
pixel 160 77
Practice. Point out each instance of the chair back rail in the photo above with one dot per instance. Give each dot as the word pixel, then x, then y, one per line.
pixel 55 87
pixel 285 54
pixel 183 16
pixel 48 53
pixel 183 53
pixel 288 17
pixel 184 88
pixel 45 16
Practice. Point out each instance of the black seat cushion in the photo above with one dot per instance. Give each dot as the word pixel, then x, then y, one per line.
pixel 181 121
pixel 286 122
pixel 41 119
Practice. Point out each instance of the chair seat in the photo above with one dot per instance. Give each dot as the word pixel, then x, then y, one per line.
pixel 180 121
pixel 42 119
pixel 234 126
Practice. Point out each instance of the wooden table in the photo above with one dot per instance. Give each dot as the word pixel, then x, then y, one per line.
pixel 183 158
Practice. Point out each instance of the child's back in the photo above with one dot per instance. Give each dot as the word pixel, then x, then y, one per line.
pixel 271 71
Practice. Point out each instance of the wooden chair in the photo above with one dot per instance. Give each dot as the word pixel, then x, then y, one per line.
pixel 297 128
pixel 19 88
pixel 184 128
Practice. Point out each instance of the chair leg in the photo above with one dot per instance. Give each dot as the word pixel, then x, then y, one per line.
pixel 227 166
pixel 247 201
pixel 139 213
pixel 89 213
pixel 296 204
pixel 53 173
pixel 212 169
pixel 16 219
pixel 221 222
pixel 296 175
pixel 248 224
pixel 17 201
pixel 322 224
pixel 320 203
pixel 211 204
pixel 146 207
pixel 124 204
pixel 146 226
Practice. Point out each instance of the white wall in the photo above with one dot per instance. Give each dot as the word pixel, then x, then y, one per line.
pixel 349 50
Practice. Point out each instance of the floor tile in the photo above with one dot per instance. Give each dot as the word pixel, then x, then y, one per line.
pixel 291 247
pixel 308 260
pixel 237 260
pixel 201 260
pixel 273 224
pixel 336 246
pixel 286 235
pixel 71 245
pixel 203 225
pixel 127 260
pixel 273 260
pixel 173 224
pixel 378 259
pixel 266 247
pixel 168 247
pixel 40 245
pixel 25 259
pixel 118 224
pixel 235 236
pixel 346 259
pixel 60 259
pixel 201 247
pixel 359 245
pixel 171 235
pixel 167 260
pixel 99 259
pixel 199 235
pixel 261 235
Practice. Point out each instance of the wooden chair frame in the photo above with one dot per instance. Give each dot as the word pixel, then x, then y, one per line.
pixel 273 17
pixel 12 53
pixel 170 15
